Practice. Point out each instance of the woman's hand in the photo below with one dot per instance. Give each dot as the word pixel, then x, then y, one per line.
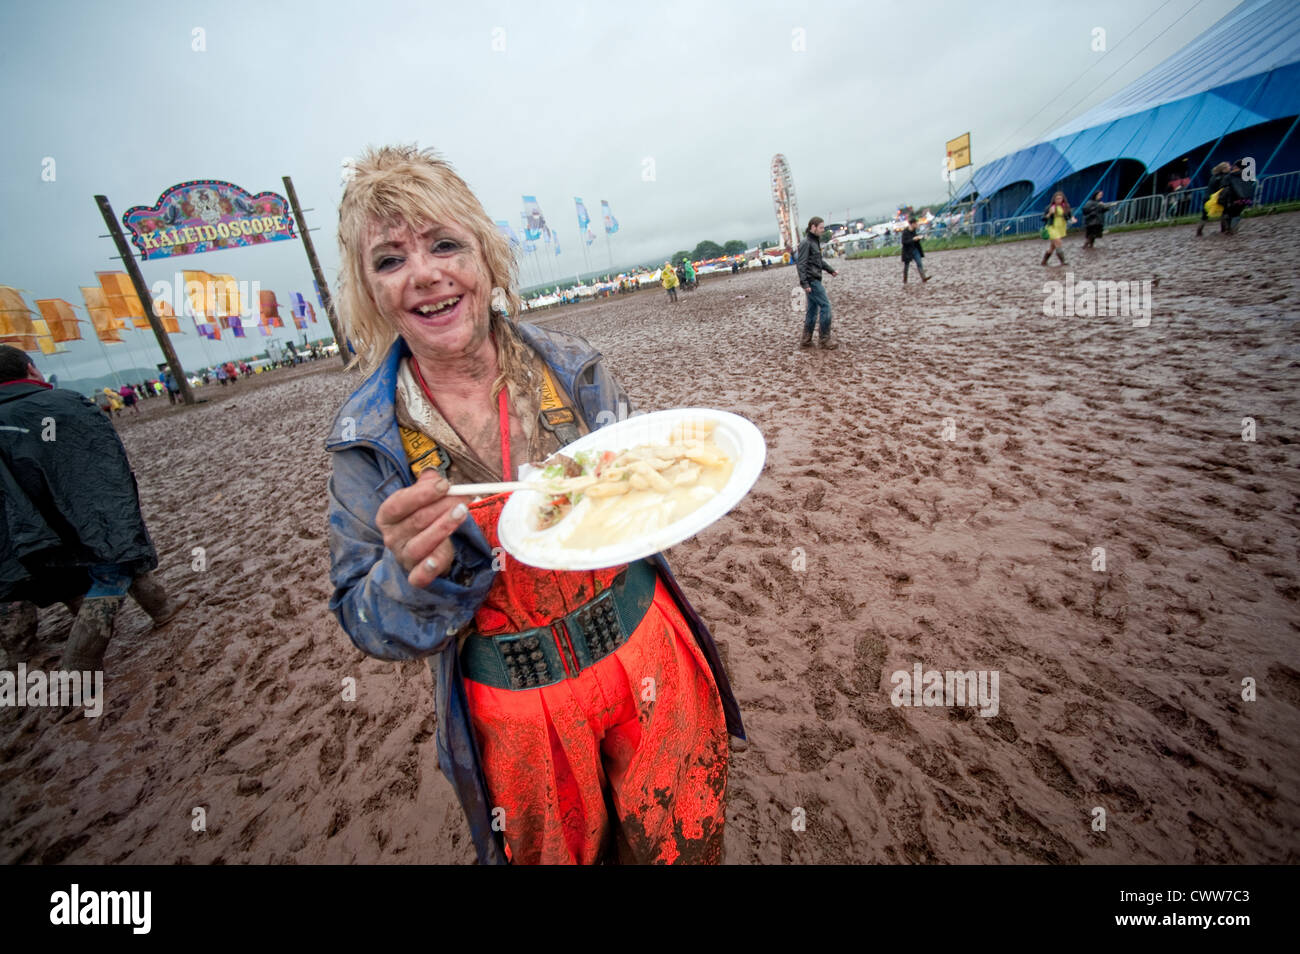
pixel 417 523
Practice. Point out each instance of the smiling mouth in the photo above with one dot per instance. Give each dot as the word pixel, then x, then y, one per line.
pixel 439 308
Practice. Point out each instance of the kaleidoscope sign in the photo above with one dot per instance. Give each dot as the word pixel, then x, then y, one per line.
pixel 206 215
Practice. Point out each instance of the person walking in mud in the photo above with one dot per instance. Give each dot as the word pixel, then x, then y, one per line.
pixel 912 251
pixel 1094 218
pixel 1058 218
pixel 71 530
pixel 669 279
pixel 1213 207
pixel 1238 194
pixel 810 265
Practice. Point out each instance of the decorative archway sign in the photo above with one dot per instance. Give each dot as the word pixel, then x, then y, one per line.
pixel 207 215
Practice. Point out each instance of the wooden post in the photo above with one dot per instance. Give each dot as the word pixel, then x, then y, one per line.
pixel 142 292
pixel 321 285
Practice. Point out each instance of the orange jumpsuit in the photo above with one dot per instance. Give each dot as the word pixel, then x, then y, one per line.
pixel 634 747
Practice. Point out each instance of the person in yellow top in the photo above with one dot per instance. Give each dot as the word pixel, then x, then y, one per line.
pixel 669 279
pixel 115 402
pixel 1056 217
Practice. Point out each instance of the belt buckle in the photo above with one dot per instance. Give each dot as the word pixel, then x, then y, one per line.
pixel 525 662
pixel 602 631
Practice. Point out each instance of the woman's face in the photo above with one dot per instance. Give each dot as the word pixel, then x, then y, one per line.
pixel 432 284
pixel 1059 197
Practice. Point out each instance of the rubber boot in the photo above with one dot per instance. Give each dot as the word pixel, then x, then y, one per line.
pixel 90 634
pixel 828 343
pixel 19 621
pixel 1200 230
pixel 1061 256
pixel 807 340
pixel 149 592
pixel 1047 256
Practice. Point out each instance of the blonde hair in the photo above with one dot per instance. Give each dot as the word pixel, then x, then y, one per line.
pixel 1220 169
pixel 412 186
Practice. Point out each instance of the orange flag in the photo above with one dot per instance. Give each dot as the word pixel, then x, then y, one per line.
pixel 101 314
pixel 271 310
pixel 60 318
pixel 21 342
pixel 167 315
pixel 122 297
pixel 44 340
pixel 15 316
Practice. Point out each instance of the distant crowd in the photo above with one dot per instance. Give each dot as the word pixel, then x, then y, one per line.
pixel 128 397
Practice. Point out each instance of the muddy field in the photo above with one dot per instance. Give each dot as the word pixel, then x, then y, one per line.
pixel 935 492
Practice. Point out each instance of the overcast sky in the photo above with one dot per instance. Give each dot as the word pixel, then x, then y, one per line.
pixel 670 111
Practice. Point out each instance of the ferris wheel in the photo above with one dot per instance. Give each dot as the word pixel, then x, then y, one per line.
pixel 787 212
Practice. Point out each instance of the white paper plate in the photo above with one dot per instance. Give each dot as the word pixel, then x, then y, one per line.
pixel 736 437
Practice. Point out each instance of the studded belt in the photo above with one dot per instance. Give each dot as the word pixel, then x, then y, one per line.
pixel 550 654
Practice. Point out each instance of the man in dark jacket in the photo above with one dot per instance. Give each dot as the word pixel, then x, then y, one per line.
pixel 1094 218
pixel 913 253
pixel 70 524
pixel 810 266
pixel 1238 195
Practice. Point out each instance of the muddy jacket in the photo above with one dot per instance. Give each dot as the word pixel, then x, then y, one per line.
pixel 68 499
pixel 388 618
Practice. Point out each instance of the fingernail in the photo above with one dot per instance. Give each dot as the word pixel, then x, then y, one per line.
pixel 459 512
pixel 443 485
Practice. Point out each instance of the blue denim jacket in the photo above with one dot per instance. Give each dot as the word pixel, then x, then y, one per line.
pixel 388 618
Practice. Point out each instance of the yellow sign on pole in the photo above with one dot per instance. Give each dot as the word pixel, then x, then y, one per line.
pixel 959 152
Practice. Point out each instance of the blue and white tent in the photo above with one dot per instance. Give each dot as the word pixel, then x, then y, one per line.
pixel 1234 91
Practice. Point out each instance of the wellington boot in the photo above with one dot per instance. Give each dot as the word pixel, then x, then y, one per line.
pixel 90 634
pixel 149 592
pixel 1047 256
pixel 807 340
pixel 829 344
pixel 1060 256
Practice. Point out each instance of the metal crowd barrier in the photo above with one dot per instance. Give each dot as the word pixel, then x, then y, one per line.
pixel 1272 190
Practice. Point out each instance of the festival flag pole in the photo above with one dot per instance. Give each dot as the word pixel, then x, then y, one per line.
pixel 87 293
pixel 322 287
pixel 146 299
pixel 116 377
pixel 188 309
pixel 611 226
